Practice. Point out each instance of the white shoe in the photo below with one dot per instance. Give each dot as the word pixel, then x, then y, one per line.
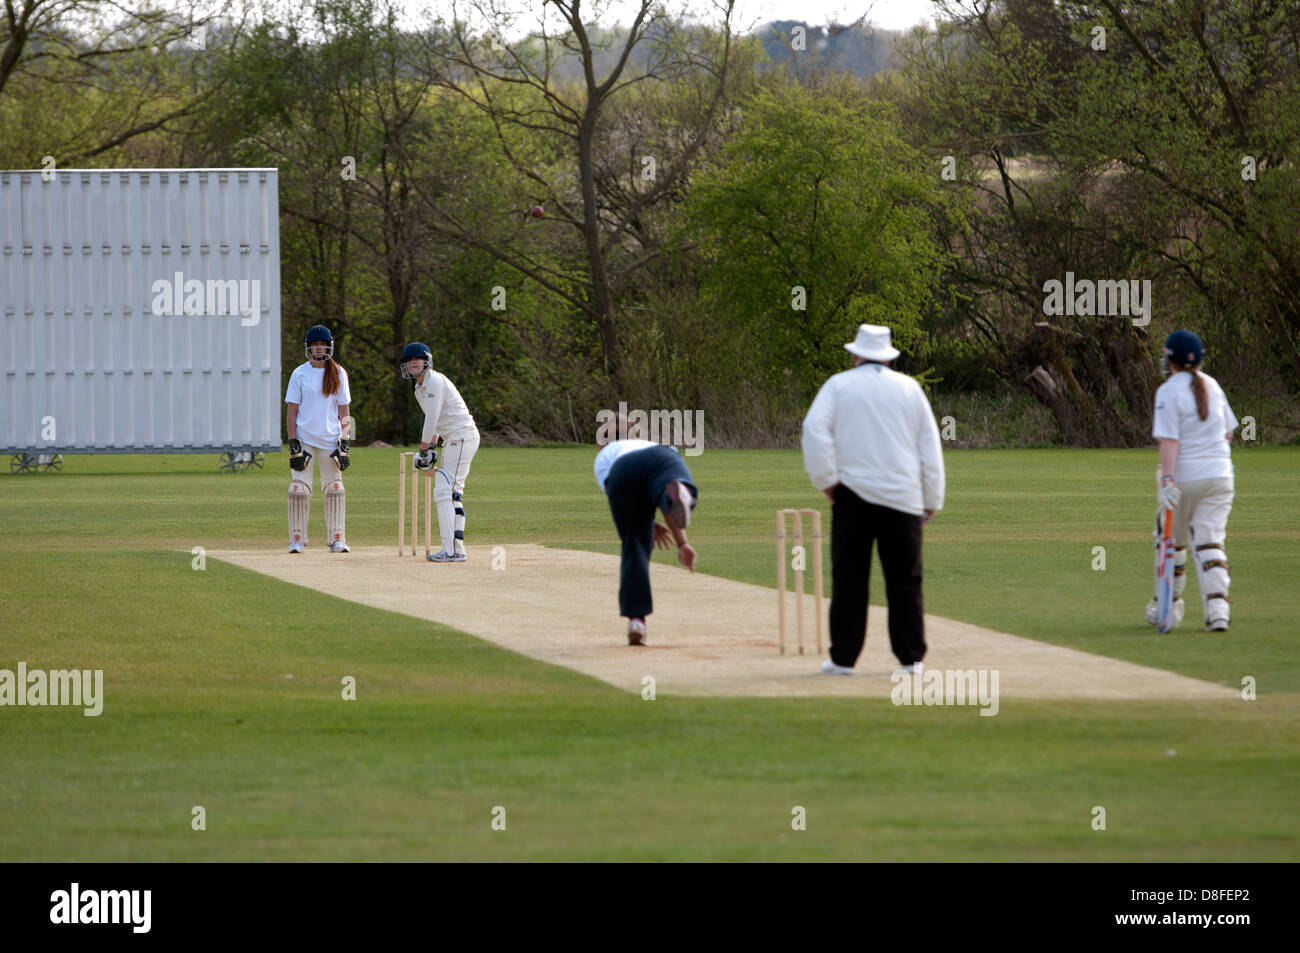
pixel 636 632
pixel 445 557
pixel 914 669
pixel 297 546
pixel 1153 611
pixel 338 546
pixel 830 668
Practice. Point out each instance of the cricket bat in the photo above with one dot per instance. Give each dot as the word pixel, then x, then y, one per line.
pixel 1165 576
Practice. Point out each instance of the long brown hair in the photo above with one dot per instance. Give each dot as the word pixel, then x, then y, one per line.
pixel 330 386
pixel 1199 389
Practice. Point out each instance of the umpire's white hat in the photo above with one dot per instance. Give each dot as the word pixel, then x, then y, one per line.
pixel 872 343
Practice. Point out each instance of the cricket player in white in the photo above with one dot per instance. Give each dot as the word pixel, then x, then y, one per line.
pixel 318 398
pixel 1194 425
pixel 445 414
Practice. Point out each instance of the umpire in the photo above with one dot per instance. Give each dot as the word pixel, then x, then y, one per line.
pixel 871 444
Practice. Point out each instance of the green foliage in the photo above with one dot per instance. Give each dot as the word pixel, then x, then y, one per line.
pixel 815 192
pixel 86 82
pixel 1121 163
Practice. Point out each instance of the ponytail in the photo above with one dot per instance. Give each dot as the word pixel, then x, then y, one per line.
pixel 330 385
pixel 1202 395
pixel 1199 388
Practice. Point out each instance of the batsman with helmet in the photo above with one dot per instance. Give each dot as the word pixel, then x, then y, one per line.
pixel 318 398
pixel 445 414
pixel 1194 426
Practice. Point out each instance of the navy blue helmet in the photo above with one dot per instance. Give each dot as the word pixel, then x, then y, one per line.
pixel 318 334
pixel 1182 348
pixel 416 349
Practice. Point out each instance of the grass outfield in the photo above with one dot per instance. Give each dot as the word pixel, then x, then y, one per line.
pixel 200 707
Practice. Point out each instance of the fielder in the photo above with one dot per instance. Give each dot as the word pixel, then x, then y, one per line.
pixel 445 414
pixel 1194 426
pixel 318 398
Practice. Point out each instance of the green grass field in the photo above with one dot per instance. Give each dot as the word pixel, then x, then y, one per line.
pixel 223 687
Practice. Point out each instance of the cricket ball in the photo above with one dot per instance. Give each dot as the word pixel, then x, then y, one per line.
pixel 536 211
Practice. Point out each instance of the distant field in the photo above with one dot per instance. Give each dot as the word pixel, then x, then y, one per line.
pixel 223 685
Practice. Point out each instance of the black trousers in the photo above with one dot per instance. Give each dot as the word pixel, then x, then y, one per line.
pixel 855 526
pixel 637 487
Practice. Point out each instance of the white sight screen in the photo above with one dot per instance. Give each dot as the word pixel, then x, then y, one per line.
pixel 139 311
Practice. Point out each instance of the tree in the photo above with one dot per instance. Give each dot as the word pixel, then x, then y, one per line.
pixel 333 98
pixel 520 86
pixel 816 218
pixel 81 78
pixel 1112 156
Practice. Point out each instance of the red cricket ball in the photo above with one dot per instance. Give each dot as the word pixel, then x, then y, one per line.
pixel 536 211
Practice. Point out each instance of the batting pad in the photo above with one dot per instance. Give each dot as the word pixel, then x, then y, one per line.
pixel 335 510
pixel 442 493
pixel 1212 573
pixel 299 507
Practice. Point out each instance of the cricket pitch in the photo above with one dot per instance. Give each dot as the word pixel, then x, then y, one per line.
pixel 707 636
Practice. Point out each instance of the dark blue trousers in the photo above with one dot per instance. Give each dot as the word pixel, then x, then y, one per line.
pixel 637 487
pixel 855 526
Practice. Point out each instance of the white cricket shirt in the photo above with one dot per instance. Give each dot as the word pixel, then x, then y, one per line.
pixel 611 452
pixel 1203 451
pixel 872 429
pixel 318 415
pixel 445 413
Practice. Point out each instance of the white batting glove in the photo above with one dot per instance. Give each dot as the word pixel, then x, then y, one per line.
pixel 424 459
pixel 1169 494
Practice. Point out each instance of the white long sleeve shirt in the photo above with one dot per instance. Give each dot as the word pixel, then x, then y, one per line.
pixel 872 429
pixel 445 413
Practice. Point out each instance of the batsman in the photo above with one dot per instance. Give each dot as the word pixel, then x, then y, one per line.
pixel 317 401
pixel 1193 424
pixel 445 415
